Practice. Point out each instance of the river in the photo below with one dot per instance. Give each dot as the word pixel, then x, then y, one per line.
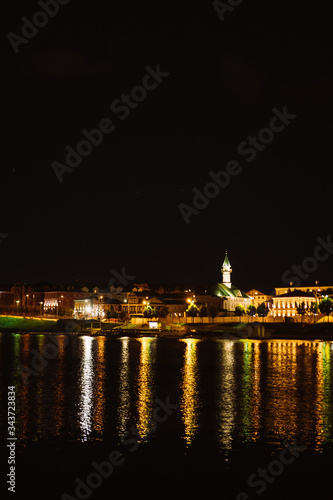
pixel 182 416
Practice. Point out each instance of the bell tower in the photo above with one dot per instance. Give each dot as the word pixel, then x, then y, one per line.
pixel 226 271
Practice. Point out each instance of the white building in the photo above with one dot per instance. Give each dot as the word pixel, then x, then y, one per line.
pixel 286 304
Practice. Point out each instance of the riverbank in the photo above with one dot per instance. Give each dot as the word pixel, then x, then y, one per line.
pixel 20 325
pixel 320 331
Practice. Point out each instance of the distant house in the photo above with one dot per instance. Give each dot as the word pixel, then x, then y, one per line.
pixel 139 300
pixel 259 298
pixel 176 303
pixel 23 296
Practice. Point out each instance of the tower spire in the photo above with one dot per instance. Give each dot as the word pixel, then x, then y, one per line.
pixel 226 271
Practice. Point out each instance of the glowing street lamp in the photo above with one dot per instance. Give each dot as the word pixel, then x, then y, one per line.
pixel 17 304
pixel 40 308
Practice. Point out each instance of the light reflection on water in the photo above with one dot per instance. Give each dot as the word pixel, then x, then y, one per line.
pixel 287 391
pixel 87 375
pixel 225 393
pixel 145 384
pixel 124 404
pixel 136 394
pixel 97 387
pixel 190 400
pixel 324 401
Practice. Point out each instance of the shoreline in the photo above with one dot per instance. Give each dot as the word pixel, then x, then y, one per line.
pixel 236 331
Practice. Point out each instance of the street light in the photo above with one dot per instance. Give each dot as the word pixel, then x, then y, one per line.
pixel 17 304
pixel 40 309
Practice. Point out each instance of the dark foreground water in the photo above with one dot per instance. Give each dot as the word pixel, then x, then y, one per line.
pixel 177 418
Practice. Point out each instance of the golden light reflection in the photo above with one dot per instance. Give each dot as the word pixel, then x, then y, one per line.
pixel 282 398
pixel 98 419
pixel 145 383
pixel 190 404
pixel 246 389
pixel 273 389
pixel 124 402
pixel 324 399
pixel 226 410
pixel 86 398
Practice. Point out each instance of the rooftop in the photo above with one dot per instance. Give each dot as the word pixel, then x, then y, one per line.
pixel 296 293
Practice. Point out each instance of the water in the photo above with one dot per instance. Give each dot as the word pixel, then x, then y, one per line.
pixel 238 403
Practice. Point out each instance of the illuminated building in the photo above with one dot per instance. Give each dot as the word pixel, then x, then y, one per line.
pixel 286 304
pixel 259 298
pixel 94 307
pixel 231 295
pixel 55 299
pixel 139 300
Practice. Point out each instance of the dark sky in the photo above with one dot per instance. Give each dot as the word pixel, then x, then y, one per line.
pixel 120 206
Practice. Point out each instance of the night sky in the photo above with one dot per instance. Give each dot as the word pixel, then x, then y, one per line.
pixel 120 206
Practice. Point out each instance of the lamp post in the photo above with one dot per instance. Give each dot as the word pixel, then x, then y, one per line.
pixel 17 305
pixel 40 309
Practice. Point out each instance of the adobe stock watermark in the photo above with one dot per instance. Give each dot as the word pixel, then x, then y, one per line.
pixel 122 278
pixel 122 107
pixel 30 29
pixel 249 148
pixel 132 440
pixel 50 351
pixel 310 264
pixel 223 7
pixel 263 477
pixel 3 236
